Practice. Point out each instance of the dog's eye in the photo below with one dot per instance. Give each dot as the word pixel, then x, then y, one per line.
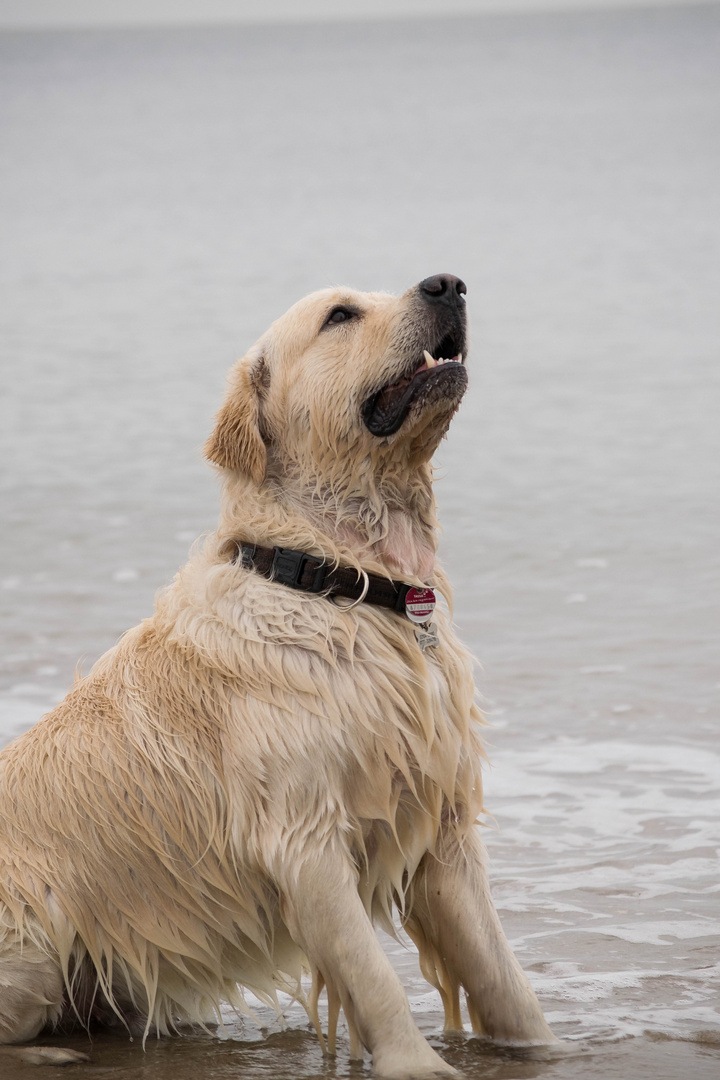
pixel 339 315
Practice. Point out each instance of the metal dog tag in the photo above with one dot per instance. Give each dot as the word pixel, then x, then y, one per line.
pixel 427 636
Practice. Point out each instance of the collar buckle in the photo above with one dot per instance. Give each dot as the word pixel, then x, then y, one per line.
pixel 288 567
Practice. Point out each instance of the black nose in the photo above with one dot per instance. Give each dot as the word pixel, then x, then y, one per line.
pixel 443 289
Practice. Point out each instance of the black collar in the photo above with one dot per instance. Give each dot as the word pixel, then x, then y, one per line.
pixel 298 570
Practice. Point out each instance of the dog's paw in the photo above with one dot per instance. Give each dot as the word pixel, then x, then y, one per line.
pixel 46 1055
pixel 428 1066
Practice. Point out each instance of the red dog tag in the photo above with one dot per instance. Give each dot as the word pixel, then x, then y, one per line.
pixel 419 605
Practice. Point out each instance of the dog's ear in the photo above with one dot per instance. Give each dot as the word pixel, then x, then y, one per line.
pixel 236 442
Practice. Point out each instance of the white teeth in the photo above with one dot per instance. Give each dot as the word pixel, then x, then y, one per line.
pixel 432 362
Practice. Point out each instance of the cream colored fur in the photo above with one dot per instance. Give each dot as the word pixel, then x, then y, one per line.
pixel 254 775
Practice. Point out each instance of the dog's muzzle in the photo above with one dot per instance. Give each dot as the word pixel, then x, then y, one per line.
pixel 434 334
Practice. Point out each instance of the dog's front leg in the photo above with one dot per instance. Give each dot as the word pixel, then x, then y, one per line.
pixel 452 919
pixel 322 910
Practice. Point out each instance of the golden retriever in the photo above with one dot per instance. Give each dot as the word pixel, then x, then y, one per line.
pixel 258 773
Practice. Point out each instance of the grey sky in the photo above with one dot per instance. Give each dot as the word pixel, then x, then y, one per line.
pixel 41 13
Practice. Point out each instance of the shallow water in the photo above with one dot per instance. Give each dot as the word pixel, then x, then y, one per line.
pixel 166 194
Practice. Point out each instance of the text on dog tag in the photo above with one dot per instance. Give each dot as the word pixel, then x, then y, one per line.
pixel 427 636
pixel 419 604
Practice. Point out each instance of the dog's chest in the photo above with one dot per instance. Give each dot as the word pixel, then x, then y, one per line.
pixel 339 707
pixel 405 715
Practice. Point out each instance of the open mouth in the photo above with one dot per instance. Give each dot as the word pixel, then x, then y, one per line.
pixel 437 376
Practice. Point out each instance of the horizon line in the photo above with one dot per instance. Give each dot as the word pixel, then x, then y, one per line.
pixel 80 15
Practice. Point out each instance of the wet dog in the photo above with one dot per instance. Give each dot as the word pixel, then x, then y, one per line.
pixel 287 752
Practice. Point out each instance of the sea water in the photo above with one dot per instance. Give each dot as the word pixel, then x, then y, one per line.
pixel 166 194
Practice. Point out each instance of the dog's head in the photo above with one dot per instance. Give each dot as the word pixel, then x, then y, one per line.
pixel 346 371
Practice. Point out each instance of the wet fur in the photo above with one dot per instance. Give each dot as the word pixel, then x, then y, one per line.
pixel 253 774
